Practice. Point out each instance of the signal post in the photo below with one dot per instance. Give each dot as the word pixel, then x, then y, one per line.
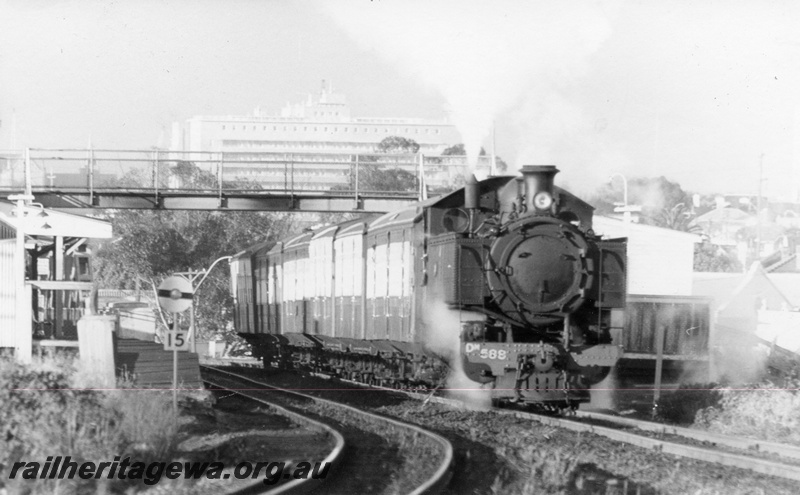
pixel 175 295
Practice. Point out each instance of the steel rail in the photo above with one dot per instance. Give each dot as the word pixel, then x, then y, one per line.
pixel 296 485
pixel 434 484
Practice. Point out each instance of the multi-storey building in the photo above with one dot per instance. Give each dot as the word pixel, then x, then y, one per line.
pixel 321 124
pixel 316 145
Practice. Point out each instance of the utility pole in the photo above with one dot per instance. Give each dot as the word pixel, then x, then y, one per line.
pixel 758 206
pixel 493 168
pixel 23 338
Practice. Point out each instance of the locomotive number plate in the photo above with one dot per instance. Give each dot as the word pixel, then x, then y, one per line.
pixel 486 353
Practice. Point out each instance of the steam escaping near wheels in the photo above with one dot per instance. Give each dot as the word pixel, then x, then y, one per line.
pixel 441 339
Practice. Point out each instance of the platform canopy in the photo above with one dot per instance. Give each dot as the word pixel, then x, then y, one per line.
pixel 40 221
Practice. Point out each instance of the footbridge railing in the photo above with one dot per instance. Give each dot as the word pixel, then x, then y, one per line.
pixel 242 180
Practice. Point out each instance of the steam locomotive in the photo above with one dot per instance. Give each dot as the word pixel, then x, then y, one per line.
pixel 502 279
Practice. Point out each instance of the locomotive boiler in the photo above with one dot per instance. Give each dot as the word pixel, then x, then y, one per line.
pixel 503 278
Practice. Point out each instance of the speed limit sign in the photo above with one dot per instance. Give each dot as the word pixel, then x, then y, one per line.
pixel 176 340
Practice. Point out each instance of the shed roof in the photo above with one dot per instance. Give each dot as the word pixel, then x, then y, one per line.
pixel 613 227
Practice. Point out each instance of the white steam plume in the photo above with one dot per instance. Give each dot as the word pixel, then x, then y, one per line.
pixel 481 56
pixel 441 335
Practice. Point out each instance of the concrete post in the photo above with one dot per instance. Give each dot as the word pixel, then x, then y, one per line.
pixel 96 346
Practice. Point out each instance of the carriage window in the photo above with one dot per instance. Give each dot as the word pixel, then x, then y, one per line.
pixel 395 269
pixel 357 262
pixel 371 273
pixel 381 270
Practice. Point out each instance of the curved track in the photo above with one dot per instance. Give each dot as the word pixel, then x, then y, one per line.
pixel 299 485
pixel 362 462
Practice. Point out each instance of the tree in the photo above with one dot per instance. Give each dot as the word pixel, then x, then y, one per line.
pixel 459 150
pixel 375 177
pixel 656 196
pixel 155 244
pixel 712 258
pixel 397 144
pixel 678 217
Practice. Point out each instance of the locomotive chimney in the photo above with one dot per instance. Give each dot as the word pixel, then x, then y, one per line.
pixel 538 187
pixel 471 193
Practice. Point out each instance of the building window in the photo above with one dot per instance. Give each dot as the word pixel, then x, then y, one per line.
pixel 223 127
pixel 325 129
pixel 437 131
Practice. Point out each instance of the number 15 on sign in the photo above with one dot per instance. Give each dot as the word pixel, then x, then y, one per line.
pixel 176 340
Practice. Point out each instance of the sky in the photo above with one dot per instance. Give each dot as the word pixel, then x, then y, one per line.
pixel 705 93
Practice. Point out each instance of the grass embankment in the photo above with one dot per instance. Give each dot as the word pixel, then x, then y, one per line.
pixel 48 409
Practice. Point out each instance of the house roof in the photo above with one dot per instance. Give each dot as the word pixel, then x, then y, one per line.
pixel 729 288
pixel 726 215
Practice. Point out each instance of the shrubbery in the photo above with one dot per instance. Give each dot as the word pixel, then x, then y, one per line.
pixel 682 405
pixel 42 414
pixel 763 412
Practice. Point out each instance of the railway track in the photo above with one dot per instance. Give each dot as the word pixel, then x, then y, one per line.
pixel 373 458
pixel 332 458
pixel 650 435
pixel 762 457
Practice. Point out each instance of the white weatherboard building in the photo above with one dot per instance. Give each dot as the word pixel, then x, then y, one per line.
pixel 46 266
pixel 321 124
pixel 660 261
